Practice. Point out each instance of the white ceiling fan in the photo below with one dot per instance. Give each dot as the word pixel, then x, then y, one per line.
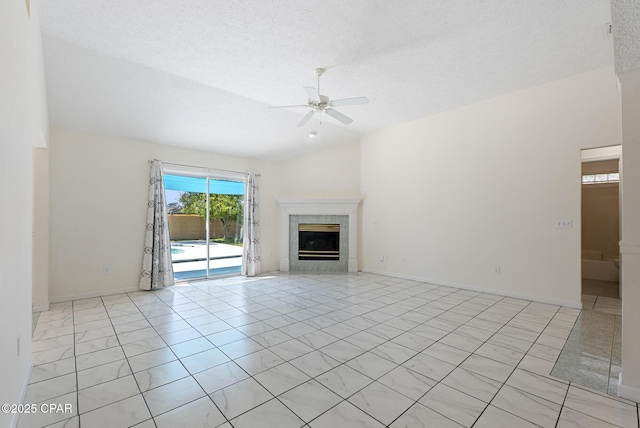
pixel 320 103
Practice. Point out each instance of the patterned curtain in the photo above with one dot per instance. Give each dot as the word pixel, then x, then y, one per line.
pixel 157 271
pixel 251 250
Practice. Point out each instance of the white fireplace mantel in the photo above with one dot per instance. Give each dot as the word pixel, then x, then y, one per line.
pixel 341 206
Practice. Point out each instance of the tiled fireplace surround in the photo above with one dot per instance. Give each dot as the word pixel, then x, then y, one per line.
pixel 337 211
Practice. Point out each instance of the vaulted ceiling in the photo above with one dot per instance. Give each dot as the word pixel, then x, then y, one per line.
pixel 202 73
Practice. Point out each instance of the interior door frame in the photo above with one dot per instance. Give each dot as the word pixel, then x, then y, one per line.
pixel 600 154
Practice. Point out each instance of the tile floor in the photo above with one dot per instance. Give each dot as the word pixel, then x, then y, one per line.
pixel 295 350
pixel 592 355
pixel 596 287
pixel 611 305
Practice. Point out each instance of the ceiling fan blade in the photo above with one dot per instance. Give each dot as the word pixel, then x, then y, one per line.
pixel 305 119
pixel 349 101
pixel 312 93
pixel 298 105
pixel 338 116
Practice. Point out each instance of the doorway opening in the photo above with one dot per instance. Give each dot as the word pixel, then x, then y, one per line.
pixel 592 353
pixel 205 216
pixel 600 232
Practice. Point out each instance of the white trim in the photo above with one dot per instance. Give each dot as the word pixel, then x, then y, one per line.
pixel 345 206
pixel 93 294
pixel 266 270
pixel 540 299
pixel 201 278
pixel 23 392
pixel 41 308
pixel 601 153
pixel 305 202
pixel 628 392
pixel 201 172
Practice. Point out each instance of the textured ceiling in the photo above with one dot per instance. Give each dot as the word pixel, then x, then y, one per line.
pixel 201 73
pixel 626 32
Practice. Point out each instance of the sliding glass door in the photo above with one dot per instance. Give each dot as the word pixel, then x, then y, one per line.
pixel 226 213
pixel 205 225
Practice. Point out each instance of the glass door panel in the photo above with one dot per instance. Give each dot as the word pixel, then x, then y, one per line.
pixel 226 213
pixel 186 207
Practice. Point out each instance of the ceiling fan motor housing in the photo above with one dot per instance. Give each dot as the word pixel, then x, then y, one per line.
pixel 324 102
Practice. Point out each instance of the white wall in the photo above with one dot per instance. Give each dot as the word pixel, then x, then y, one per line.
pixel 630 244
pixel 39 107
pixel 98 193
pixel 40 177
pixel 330 173
pixel 16 118
pixel 459 193
pixel 40 272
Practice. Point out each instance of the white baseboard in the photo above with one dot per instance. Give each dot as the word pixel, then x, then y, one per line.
pixel 629 392
pixel 267 269
pixel 540 299
pixel 23 392
pixel 41 308
pixel 98 293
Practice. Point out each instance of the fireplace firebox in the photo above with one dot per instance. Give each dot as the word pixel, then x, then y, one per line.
pixel 318 241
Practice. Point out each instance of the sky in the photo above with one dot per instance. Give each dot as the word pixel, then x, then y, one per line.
pixel 172 195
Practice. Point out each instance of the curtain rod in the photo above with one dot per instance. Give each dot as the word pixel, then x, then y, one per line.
pixel 201 167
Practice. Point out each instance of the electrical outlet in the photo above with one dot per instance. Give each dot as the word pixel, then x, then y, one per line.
pixel 381 257
pixel 496 270
pixel 106 270
pixel 404 259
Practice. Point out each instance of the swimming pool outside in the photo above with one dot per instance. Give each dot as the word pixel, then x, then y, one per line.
pixel 190 259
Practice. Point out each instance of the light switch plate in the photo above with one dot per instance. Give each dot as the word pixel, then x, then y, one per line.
pixel 564 224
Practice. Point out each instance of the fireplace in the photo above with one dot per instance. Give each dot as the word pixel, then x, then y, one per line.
pixel 318 241
pixel 342 212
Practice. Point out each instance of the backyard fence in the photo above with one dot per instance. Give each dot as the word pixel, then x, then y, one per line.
pixel 191 226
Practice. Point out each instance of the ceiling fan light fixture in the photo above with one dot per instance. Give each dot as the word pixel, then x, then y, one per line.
pixel 318 103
